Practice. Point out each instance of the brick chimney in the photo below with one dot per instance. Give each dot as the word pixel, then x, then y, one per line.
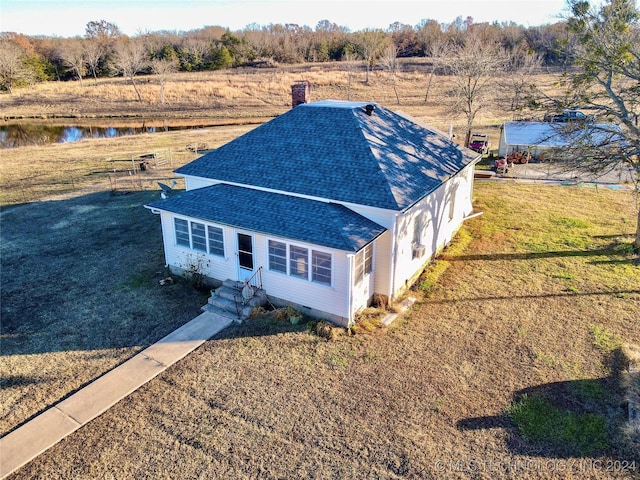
pixel 300 92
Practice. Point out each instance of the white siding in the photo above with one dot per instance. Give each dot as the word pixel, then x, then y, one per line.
pixel 441 214
pixel 438 228
pixel 332 299
pixel 382 264
pixel 193 183
pixel 212 266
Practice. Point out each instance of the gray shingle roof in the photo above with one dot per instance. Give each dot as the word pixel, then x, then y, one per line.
pixel 320 223
pixel 334 150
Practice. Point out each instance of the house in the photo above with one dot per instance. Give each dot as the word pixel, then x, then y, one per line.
pixel 540 139
pixel 331 202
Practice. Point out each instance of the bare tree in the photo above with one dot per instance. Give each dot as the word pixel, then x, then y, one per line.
pixel 437 49
pixel 131 59
pixel 105 35
pixel 515 85
pixel 472 67
pixel 349 57
pixel 92 57
pixel 390 63
pixel 12 68
pixel 72 55
pixel 162 68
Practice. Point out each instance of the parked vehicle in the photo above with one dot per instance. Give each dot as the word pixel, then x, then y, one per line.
pixel 501 166
pixel 569 116
pixel 479 142
pixel 518 157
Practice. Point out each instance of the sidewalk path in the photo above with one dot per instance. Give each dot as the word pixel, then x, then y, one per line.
pixel 34 437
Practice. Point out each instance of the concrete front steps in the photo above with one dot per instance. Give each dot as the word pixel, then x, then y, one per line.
pixel 232 299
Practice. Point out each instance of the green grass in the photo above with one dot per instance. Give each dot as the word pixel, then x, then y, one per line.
pixel 603 339
pixel 570 223
pixel 432 272
pixel 542 423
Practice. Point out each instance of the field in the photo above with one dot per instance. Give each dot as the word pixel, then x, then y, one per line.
pixel 238 100
pixel 533 309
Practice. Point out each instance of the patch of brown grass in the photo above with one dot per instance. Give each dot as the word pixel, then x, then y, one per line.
pixel 425 400
pixel 232 96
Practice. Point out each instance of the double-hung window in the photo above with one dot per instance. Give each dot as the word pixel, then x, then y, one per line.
pixel 198 237
pixel 320 267
pixel 216 241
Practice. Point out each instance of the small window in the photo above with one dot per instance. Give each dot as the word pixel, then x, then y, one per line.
pixel 182 232
pixel 452 202
pixel 277 256
pixel 321 267
pixel 417 229
pixel 364 262
pixel 298 262
pixel 216 241
pixel 198 237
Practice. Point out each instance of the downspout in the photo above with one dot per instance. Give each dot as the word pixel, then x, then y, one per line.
pixel 350 320
pixel 394 255
pixel 472 180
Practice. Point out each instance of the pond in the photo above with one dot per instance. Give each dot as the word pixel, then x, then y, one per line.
pixel 14 135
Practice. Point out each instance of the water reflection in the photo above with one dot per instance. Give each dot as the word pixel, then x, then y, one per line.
pixel 24 134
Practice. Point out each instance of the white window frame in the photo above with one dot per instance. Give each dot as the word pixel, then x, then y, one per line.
pixel 363 264
pixel 182 232
pixel 276 255
pixel 298 262
pixel 314 271
pixel 319 269
pixel 190 231
pixel 215 241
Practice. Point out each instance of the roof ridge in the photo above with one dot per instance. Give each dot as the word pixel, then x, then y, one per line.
pixel 359 124
pixel 340 154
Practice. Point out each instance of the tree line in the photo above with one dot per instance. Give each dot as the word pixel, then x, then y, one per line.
pixel 105 51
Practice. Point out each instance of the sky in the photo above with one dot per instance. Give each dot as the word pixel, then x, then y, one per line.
pixel 68 18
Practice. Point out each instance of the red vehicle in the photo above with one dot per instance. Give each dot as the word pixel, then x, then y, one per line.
pixel 501 166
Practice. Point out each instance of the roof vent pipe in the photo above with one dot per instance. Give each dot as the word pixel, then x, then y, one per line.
pixel 369 109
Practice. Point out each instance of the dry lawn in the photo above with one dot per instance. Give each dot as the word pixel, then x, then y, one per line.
pixel 517 312
pixel 80 295
pixel 242 98
pixel 538 304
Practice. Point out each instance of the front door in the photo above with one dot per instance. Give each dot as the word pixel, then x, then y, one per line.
pixel 245 256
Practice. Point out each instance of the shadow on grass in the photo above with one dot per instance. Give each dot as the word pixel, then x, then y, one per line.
pixel 81 274
pixel 535 295
pixel 266 325
pixel 575 418
pixel 608 251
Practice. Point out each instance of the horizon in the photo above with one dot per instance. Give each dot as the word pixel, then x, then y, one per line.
pixel 68 18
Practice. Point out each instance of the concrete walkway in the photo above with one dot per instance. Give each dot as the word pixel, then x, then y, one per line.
pixel 34 437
